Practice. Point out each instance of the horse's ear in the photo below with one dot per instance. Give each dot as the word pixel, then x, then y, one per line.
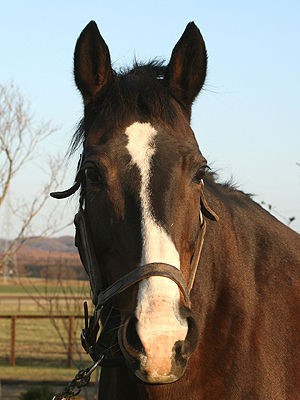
pixel 92 65
pixel 187 67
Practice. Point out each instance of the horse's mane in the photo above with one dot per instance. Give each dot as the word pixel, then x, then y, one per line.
pixel 155 68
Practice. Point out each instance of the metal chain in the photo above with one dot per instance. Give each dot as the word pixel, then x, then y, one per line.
pixel 82 378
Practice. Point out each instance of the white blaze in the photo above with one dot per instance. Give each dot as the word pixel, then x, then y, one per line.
pixel 159 323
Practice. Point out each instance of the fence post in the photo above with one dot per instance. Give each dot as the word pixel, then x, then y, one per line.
pixel 12 358
pixel 70 341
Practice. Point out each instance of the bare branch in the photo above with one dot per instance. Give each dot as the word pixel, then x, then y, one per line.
pixel 20 136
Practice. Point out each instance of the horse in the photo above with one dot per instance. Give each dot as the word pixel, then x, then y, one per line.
pixel 194 284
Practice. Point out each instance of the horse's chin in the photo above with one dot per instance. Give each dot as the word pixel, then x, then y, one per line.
pixel 156 379
pixel 140 373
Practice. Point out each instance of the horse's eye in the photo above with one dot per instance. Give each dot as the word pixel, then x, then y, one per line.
pixel 92 176
pixel 199 175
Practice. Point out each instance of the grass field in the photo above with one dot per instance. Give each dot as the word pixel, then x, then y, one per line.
pixel 41 344
pixel 43 296
pixel 37 286
pixel 38 374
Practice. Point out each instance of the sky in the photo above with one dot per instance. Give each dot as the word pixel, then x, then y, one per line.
pixel 246 119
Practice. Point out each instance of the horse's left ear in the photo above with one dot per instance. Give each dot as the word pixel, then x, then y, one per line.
pixel 92 65
pixel 187 67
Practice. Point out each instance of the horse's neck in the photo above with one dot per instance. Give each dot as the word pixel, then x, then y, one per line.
pixel 117 384
pixel 246 272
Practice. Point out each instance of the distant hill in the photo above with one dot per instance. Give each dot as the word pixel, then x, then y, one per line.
pixel 63 244
pixel 48 257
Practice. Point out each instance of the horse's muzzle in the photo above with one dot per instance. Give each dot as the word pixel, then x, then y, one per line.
pixel 151 363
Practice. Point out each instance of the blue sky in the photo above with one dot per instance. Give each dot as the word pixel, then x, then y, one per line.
pixel 247 117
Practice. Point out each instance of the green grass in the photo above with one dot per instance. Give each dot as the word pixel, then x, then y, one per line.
pixel 35 286
pixel 46 306
pixel 40 341
pixel 38 374
pixel 32 296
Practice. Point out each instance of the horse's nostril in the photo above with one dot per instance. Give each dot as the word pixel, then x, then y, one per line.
pixel 132 337
pixel 181 349
pixel 181 353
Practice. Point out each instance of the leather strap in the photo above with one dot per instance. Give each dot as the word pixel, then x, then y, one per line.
pixel 83 242
pixel 141 273
pixel 67 193
pixel 196 256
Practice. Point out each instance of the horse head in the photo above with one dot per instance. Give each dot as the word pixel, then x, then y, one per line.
pixel 141 179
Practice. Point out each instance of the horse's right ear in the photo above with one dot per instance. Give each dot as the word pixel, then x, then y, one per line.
pixel 92 65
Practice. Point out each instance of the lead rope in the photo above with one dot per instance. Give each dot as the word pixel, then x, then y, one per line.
pixel 81 379
pixel 83 376
pixel 88 341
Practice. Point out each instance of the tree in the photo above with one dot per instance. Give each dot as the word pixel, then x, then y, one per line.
pixel 20 139
pixel 20 136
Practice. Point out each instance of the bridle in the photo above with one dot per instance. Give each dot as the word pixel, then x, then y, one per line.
pixel 96 346
pixel 102 347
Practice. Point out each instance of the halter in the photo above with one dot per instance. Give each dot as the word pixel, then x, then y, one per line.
pixel 102 296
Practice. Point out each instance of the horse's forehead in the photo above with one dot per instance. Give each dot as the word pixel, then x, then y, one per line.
pixel 131 145
pixel 143 145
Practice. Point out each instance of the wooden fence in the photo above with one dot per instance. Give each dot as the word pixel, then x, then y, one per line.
pixel 14 318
